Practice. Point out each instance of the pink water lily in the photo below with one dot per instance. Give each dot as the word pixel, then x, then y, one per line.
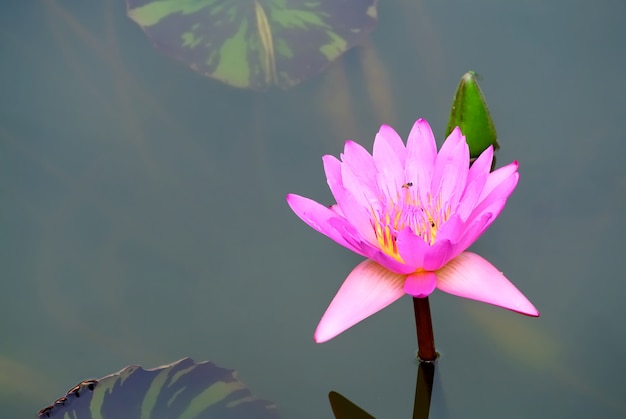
pixel 412 212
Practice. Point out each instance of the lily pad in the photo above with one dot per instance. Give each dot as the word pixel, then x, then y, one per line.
pixel 184 389
pixel 343 408
pixel 255 43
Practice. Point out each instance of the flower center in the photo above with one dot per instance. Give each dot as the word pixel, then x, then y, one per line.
pixel 408 211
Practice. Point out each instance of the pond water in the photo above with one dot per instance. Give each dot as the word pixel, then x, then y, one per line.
pixel 143 215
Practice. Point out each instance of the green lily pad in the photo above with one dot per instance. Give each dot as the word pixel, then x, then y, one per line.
pixel 343 408
pixel 184 389
pixel 255 43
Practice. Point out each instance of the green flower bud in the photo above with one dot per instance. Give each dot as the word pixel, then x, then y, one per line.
pixel 469 112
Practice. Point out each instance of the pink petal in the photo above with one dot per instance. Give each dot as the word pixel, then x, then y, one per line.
pixel 362 189
pixel 481 166
pixel 351 235
pixel 452 229
pixel 390 138
pixel 368 289
pixel 420 284
pixel 358 171
pixel 420 160
pixel 338 210
pixel 322 219
pixel 357 214
pixel 388 262
pixel 451 168
pixel 476 179
pixel 438 255
pixel 350 207
pixel 498 176
pixel 332 168
pixel 473 230
pixel 495 201
pixel 471 276
pixel 412 248
pixel 389 165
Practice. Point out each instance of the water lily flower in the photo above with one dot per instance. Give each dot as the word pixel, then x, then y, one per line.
pixel 412 212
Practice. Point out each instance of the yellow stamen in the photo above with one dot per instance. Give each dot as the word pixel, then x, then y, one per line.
pixel 406 210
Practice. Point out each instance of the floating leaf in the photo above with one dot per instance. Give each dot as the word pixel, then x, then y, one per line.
pixel 255 43
pixel 345 409
pixel 470 113
pixel 183 389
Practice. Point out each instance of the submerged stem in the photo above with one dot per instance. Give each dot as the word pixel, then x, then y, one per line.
pixel 424 329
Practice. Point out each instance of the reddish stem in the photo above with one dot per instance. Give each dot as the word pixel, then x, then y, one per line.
pixel 424 329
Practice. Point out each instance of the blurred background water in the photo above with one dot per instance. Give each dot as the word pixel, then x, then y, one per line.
pixel 142 211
